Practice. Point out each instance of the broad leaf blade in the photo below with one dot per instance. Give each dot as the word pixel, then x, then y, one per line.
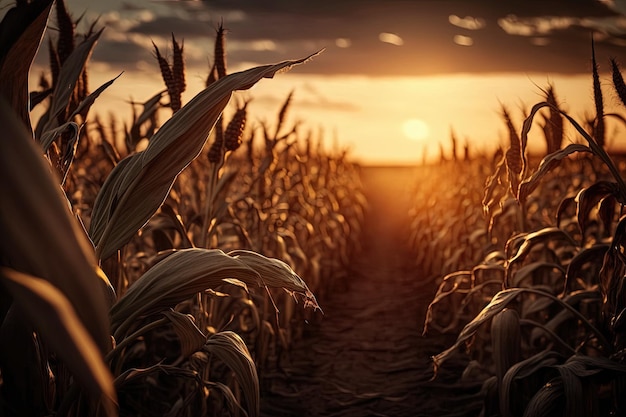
pixel 68 76
pixel 39 235
pixel 175 279
pixel 21 31
pixel 231 350
pixel 177 143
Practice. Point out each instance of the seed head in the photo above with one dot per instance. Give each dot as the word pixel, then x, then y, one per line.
pixel 234 130
pixel 618 82
pixel 215 151
pixel 65 43
pixel 220 52
pixel 178 67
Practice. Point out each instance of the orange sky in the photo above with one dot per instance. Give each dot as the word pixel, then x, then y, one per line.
pixel 443 65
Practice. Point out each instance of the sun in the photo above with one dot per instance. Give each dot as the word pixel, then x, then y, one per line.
pixel 415 129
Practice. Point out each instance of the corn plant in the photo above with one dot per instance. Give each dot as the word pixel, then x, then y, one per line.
pixel 555 345
pixel 73 343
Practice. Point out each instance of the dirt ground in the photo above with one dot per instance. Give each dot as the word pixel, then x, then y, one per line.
pixel 366 356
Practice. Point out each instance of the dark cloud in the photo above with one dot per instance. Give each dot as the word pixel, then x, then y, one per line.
pixel 181 27
pixel 436 36
pixel 427 34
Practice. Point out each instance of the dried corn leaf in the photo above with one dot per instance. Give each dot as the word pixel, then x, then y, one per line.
pixel 564 206
pixel 498 303
pixel 594 254
pixel 512 398
pixel 544 235
pixel 57 322
pixel 51 135
pixel 276 273
pixel 39 235
pixel 21 31
pixel 191 338
pixel 178 142
pixel 506 342
pixel 175 279
pixel 85 105
pixel 588 199
pixel 68 77
pixel 547 164
pixel 231 350
pixel 528 271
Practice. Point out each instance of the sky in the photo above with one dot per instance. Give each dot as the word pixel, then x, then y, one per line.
pixel 395 78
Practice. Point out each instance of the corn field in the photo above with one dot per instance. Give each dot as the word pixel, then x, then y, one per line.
pixel 143 271
pixel 186 259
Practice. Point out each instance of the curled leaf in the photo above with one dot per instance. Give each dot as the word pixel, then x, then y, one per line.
pixel 547 164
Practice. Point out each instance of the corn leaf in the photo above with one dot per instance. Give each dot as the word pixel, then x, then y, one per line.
pixel 39 235
pixel 548 401
pixel 594 254
pixel 588 198
pixel 175 279
pixel 191 338
pixel 547 164
pixel 511 397
pixel 276 273
pixel 21 31
pixel 54 318
pixel 546 234
pixel 68 76
pixel 498 303
pixel 178 142
pixel 231 350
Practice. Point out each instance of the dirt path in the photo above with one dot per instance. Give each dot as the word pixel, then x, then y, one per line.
pixel 366 356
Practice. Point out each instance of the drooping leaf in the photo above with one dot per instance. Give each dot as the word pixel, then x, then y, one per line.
pixel 564 206
pixel 40 237
pixel 55 319
pixel 178 142
pixel 612 272
pixel 51 135
pixel 191 338
pixel 275 273
pixel 175 279
pixel 529 270
pixel 544 235
pixel 547 164
pixel 606 212
pixel 594 254
pixel 498 303
pixel 548 401
pixel 232 350
pixel 533 366
pixel 588 198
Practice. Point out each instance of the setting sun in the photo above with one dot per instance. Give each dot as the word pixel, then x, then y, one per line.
pixel 416 129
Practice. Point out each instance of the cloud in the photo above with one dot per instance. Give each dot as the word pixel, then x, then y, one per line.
pixel 467 22
pixel 463 40
pixel 516 35
pixel 390 38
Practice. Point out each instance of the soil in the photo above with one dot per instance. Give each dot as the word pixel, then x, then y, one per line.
pixel 366 356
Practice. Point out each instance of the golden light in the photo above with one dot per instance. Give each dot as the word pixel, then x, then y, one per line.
pixel 416 129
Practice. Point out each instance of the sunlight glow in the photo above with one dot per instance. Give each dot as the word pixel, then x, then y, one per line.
pixel 416 129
